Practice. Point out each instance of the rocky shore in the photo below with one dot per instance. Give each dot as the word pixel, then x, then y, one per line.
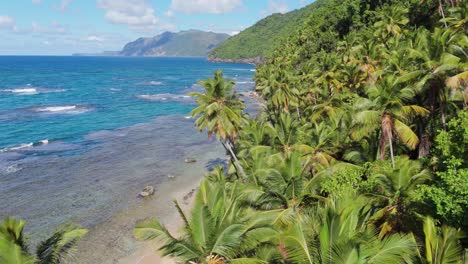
pixel 255 61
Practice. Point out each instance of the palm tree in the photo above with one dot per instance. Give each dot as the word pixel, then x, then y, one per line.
pixel 337 231
pixel 388 112
pixel 14 249
pixel 218 230
pixel 439 57
pixel 219 111
pixel 391 24
pixel 442 244
pixel 395 187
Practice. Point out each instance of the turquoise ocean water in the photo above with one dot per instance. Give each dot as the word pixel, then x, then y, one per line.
pixel 79 135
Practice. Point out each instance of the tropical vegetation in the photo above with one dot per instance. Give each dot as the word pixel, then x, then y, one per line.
pixel 359 154
pixel 14 248
pixel 261 39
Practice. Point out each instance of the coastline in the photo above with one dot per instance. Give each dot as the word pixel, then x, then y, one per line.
pixel 252 61
pixel 112 241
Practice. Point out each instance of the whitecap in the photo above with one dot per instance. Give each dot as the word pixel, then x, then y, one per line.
pixel 253 70
pixel 245 82
pixel 24 91
pixel 18 147
pixel 152 83
pixel 62 109
pixel 31 90
pixel 56 108
pixel 165 97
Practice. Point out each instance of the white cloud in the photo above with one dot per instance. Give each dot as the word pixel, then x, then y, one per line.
pixel 131 12
pixel 138 15
pixel 94 38
pixel 62 6
pixel 205 6
pixel 36 2
pixel 7 22
pixel 276 6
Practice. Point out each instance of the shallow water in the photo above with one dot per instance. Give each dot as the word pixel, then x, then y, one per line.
pixel 80 137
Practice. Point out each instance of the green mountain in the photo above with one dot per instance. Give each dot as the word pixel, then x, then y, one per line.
pixel 261 39
pixel 190 43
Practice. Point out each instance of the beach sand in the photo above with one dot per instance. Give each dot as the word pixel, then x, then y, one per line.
pixel 148 253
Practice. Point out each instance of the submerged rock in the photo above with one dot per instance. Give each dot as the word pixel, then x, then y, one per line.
pixel 147 191
pixel 190 160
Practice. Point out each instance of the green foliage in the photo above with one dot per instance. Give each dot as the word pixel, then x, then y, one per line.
pixel 341 180
pixel 442 244
pixel 218 227
pixel 449 194
pixel 54 250
pixel 338 165
pixel 261 39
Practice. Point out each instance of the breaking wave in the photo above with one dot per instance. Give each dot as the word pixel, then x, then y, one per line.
pixel 166 97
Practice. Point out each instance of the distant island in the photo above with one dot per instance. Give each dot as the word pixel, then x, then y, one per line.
pixel 189 43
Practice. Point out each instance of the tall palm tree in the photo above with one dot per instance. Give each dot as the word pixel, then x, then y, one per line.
pixel 53 250
pixel 387 110
pixel 220 112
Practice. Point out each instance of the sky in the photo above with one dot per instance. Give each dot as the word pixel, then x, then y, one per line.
pixel 63 27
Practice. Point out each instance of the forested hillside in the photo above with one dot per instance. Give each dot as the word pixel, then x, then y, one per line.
pixel 261 39
pixel 359 155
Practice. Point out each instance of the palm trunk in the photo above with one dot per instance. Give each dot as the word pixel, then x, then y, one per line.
pixel 442 116
pixel 441 10
pixel 387 127
pixel 391 151
pixel 239 168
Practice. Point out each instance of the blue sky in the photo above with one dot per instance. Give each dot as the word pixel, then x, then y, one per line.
pixel 63 27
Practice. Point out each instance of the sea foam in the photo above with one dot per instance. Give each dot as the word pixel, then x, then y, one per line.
pixel 31 90
pixel 62 109
pixel 165 97
pixel 152 83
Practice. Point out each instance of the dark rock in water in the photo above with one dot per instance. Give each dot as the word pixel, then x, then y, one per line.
pixel 190 160
pixel 147 191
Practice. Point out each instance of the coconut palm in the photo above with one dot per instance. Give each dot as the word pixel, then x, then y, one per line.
pixel 218 230
pixel 220 112
pixel 441 244
pixel 391 24
pixel 439 57
pixel 53 250
pixel 337 232
pixel 388 111
pixel 395 186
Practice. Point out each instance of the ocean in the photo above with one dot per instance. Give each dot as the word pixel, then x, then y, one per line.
pixel 80 136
